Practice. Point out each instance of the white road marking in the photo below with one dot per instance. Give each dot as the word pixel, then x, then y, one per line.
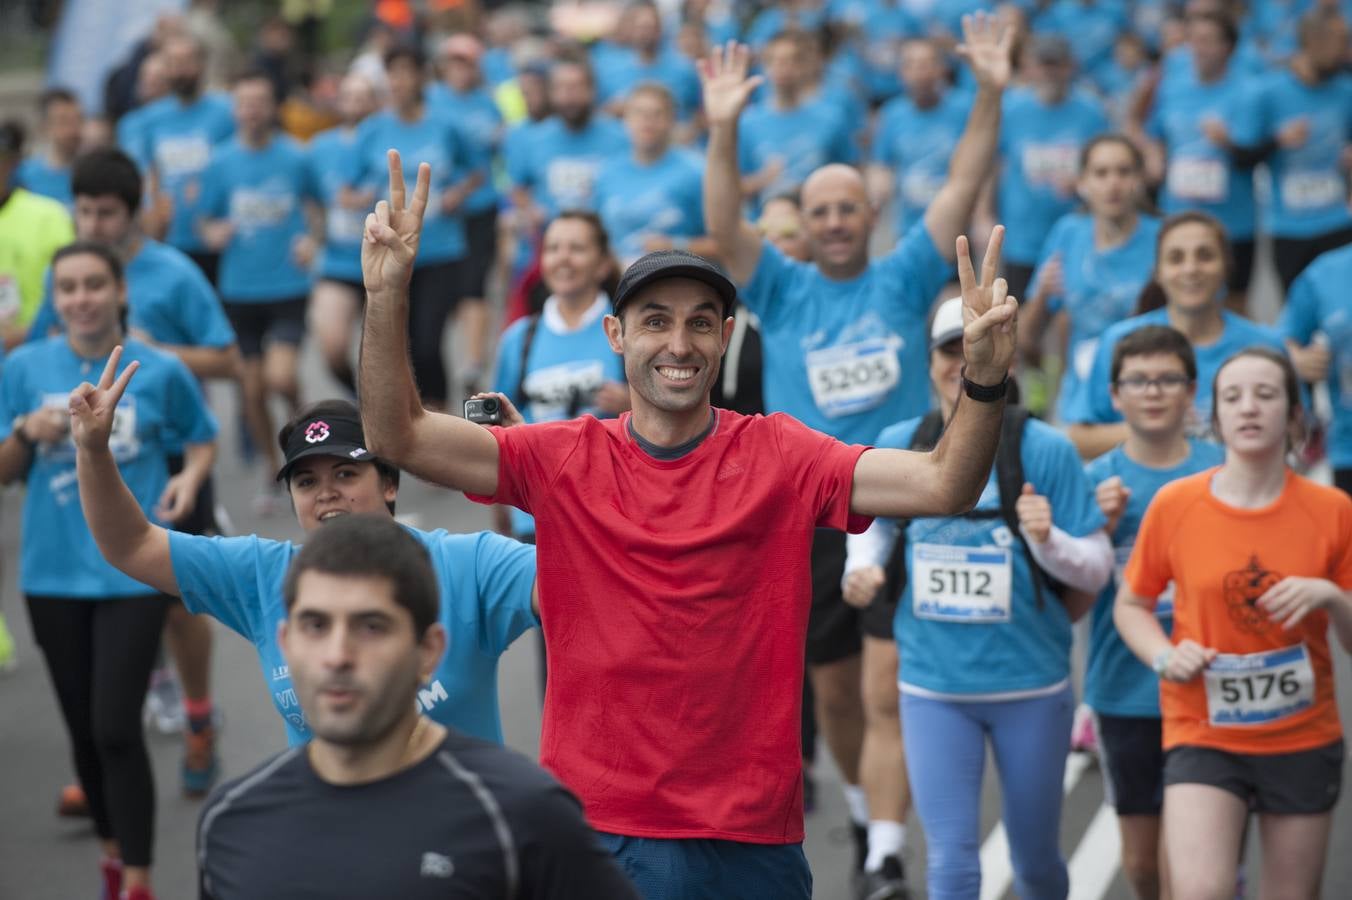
pixel 1097 857
pixel 996 873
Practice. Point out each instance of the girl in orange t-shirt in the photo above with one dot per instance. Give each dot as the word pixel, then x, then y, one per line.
pixel 1261 561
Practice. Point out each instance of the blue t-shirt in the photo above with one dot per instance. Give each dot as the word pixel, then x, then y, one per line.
pixel 262 191
pixel 38 175
pixel 332 154
pixel 997 640
pixel 803 139
pixel 917 144
pixel 1040 148
pixel 559 166
pixel 774 19
pixel 1309 194
pixel 485 583
pixel 1099 289
pixel 1116 683
pixel 883 28
pixel 1318 301
pixel 434 140
pixel 625 71
pixel 848 358
pixel 1096 403
pixel 477 116
pixel 563 370
pixel 1091 29
pixel 168 298
pixel 177 141
pixel 663 198
pixel 1200 175
pixel 161 411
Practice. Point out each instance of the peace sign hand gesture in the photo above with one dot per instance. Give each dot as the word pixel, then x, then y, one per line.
pixel 390 241
pixel 989 314
pixel 92 409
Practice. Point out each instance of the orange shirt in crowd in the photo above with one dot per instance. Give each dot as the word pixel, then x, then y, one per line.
pixel 1222 559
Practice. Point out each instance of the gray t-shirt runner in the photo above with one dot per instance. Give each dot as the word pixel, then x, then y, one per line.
pixel 472 820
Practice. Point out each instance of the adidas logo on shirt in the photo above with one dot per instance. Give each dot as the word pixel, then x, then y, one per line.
pixel 435 865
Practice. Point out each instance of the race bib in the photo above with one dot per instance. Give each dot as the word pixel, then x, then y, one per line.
pixel 851 378
pixel 919 187
pixel 1082 357
pixel 569 182
pixel 252 209
pixel 1051 164
pixel 11 301
pixel 1164 603
pixel 1258 688
pixel 122 441
pixel 1198 180
pixel 1312 190
pixel 562 391
pixel 343 226
pixel 182 155
pixel 961 584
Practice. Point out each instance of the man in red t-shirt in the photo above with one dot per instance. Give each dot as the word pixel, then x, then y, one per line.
pixel 673 557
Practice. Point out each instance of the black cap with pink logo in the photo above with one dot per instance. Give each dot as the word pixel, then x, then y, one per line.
pixel 326 433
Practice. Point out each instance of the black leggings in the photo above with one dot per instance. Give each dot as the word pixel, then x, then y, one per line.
pixel 99 654
pixel 1292 255
pixel 432 294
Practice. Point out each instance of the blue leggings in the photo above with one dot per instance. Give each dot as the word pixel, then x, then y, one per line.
pixel 946 755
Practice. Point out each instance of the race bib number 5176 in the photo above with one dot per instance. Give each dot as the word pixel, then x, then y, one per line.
pixel 1258 688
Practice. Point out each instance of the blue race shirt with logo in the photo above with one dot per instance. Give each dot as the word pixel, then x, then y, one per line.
pixel 1199 174
pixel 433 140
pixel 479 120
pixel 1319 302
pixel 637 200
pixel 161 411
pixel 1116 683
pixel 564 367
pixel 1040 149
pixel 1095 405
pixel 38 175
pixel 332 154
pixel 1099 289
pixel 1310 194
pixel 262 191
pixel 917 144
pixel 177 141
pixel 561 167
pixel 848 358
pixel 803 139
pixel 485 584
pixel 168 298
pixel 948 650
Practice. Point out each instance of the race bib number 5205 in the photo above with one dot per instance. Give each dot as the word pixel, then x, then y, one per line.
pixel 1258 688
pixel 851 378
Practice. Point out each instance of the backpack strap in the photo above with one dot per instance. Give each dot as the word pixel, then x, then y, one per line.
pixel 527 339
pixel 924 439
pixel 1009 479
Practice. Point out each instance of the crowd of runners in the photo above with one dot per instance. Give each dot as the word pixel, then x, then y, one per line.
pixel 838 358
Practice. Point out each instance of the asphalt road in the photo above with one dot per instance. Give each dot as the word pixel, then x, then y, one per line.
pixel 46 858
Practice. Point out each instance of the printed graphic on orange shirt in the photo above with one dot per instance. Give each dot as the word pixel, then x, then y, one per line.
pixel 1243 587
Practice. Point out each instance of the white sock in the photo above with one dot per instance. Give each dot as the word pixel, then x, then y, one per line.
pixel 884 839
pixel 857 802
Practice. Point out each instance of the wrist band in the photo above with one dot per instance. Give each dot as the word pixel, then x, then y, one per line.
pixel 1161 661
pixel 984 393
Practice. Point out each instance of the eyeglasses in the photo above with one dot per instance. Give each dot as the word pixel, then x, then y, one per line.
pixel 1167 384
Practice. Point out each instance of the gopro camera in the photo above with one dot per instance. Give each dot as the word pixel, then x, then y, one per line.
pixel 487 411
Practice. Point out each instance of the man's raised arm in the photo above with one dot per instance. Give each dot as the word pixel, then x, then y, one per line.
pixel 129 541
pixel 987 49
pixel 949 479
pixel 441 448
pixel 726 90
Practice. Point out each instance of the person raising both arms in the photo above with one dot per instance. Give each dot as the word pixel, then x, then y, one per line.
pixel 1261 562
pixel 487 582
pixel 674 548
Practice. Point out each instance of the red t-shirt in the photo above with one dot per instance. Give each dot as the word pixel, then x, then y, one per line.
pixel 674 597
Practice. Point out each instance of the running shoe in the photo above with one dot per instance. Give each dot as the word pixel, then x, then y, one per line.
pixel 7 661
pixel 110 872
pixel 888 883
pixel 164 702
pixel 859 835
pixel 72 803
pixel 1082 736
pixel 200 766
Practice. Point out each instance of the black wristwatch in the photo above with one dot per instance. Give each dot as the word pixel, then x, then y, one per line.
pixel 984 393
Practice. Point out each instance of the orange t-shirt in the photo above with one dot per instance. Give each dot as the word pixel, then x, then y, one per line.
pixel 1221 560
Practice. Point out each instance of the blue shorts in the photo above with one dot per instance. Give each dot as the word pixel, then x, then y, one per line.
pixel 702 869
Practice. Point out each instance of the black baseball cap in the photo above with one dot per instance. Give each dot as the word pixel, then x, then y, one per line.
pixel 673 264
pixel 326 433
